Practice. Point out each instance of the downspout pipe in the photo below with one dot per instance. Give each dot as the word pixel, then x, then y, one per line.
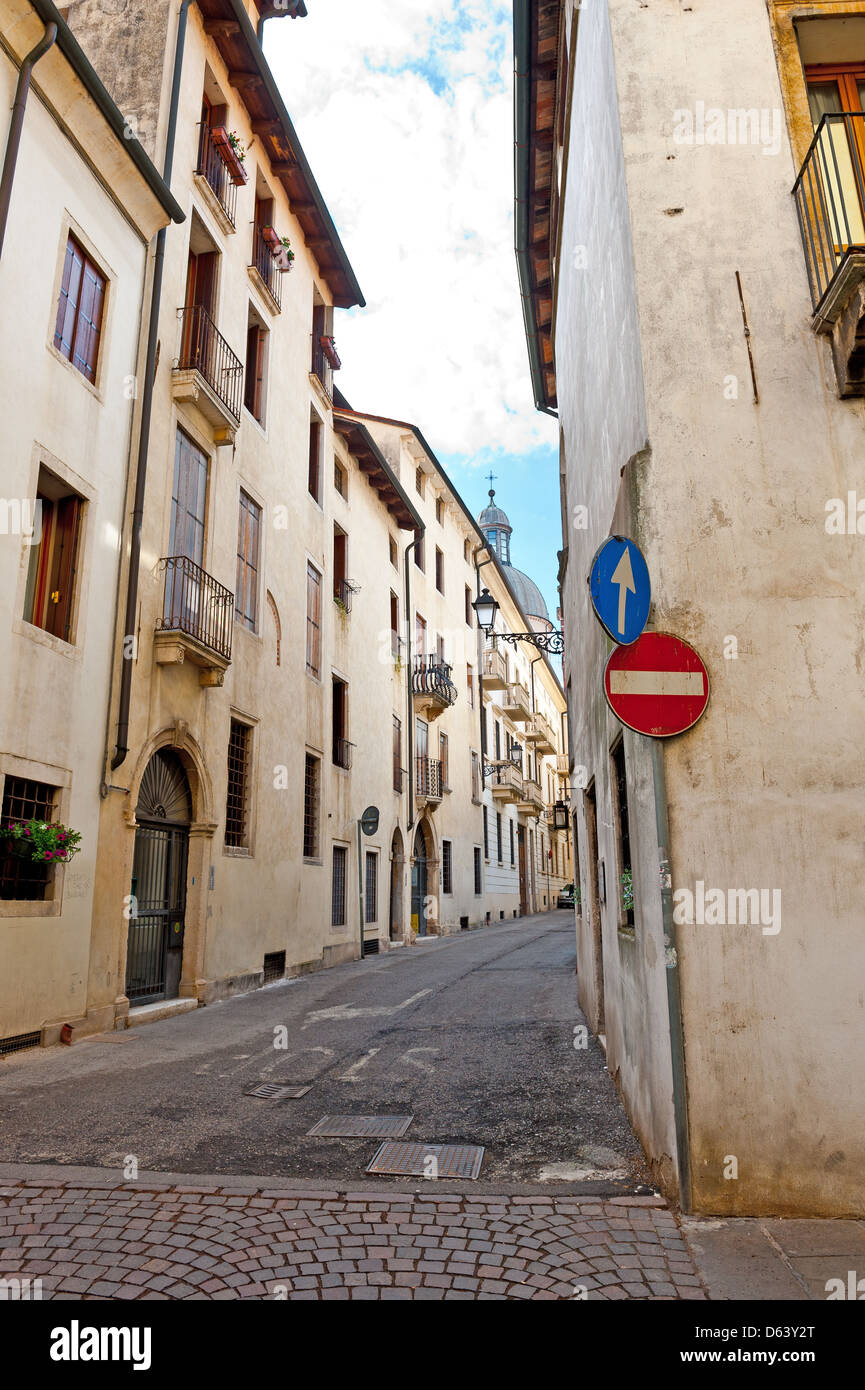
pixel 128 653
pixel 674 995
pixel 13 142
pixel 408 674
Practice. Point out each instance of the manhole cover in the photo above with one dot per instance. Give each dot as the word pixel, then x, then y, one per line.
pixel 361 1126
pixel 273 1090
pixel 429 1160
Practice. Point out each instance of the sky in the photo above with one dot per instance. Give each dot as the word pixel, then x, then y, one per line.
pixel 404 109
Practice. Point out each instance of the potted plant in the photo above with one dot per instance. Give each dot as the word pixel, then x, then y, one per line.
pixel 628 891
pixel 41 841
pixel 230 147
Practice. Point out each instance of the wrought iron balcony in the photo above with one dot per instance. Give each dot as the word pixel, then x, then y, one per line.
pixel 830 204
pixel 205 353
pixel 428 780
pixel 432 685
pixel 342 751
pixel 321 366
pixel 214 170
pixel 197 619
pixel 343 591
pixel 264 263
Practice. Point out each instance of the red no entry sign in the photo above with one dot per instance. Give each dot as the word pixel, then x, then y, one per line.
pixel 657 686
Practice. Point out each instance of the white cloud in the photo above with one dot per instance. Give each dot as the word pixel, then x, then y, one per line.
pixel 405 113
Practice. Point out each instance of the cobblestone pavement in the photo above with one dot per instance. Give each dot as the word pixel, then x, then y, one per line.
pixel 93 1238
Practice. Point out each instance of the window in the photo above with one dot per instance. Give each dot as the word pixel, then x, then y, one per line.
pixel 440 571
pixel 469 609
pixel 315 442
pixel 440 649
pixel 311 799
pixel 440 511
pixel 341 746
pixel 478 872
pixel 340 480
pixel 499 836
pixel 341 591
pixel 397 754
pixel 466 554
pixel 470 684
pixel 22 879
pixel 444 759
pixel 79 311
pixel 256 345
pixel 394 626
pixel 620 794
pixel 497 730
pixel 476 778
pixel 419 551
pixel 419 481
pixel 248 543
pixel 53 563
pixel 370 900
pixel 237 799
pixel 313 621
pixel 394 552
pixel 447 867
pixel 486 835
pixel 340 871
pixel 420 634
pixel 511 824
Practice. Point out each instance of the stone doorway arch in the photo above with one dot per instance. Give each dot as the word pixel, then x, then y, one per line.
pixel 397 869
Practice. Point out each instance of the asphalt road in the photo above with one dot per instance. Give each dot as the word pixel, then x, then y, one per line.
pixel 473 1035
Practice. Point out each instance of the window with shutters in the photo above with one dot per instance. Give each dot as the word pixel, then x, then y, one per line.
pixel 447 867
pixel 440 571
pixel 511 824
pixel 478 871
pixel 486 835
pixel 468 606
pixel 476 778
pixel 239 782
pixel 338 886
pixel 444 759
pixel 248 552
pixel 313 621
pixel 256 362
pixel 470 686
pixel 311 807
pixel 397 754
pixel 499 836
pixel 419 557
pixel 21 878
pixel 54 555
pixel 78 329
pixel 370 897
pixel 340 480
pixel 395 640
pixel 316 440
pixel 393 551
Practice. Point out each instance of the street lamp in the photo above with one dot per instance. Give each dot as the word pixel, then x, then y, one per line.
pixel 486 608
pixel 561 817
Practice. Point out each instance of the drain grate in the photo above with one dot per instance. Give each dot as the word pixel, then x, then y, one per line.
pixel 361 1126
pixel 275 1090
pixel 371 946
pixel 429 1160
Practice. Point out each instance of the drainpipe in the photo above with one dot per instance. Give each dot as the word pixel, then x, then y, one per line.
pixel 17 124
pixel 122 745
pixel 408 674
pixel 674 997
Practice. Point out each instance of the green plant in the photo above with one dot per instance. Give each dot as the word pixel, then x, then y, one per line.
pixel 343 610
pixel 236 144
pixel 628 890
pixel 43 842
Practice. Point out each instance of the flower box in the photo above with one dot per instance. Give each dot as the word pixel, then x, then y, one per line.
pixel 232 154
pixel 280 248
pixel 329 349
pixel 272 237
pixel 40 841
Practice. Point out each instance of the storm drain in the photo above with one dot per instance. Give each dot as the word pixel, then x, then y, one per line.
pixel 361 1126
pixel 274 1090
pixel 429 1160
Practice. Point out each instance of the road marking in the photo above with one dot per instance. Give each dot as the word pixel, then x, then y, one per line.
pixel 415 1061
pixel 656 683
pixel 348 1075
pixel 346 1011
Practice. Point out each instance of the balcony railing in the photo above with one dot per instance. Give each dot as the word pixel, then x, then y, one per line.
pixel 830 198
pixel 265 263
pixel 433 677
pixel 342 751
pixel 320 365
pixel 213 168
pixel 506 780
pixel 197 605
pixel 428 778
pixel 342 594
pixel 203 349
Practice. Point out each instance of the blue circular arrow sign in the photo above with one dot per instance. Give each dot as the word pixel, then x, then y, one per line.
pixel 621 589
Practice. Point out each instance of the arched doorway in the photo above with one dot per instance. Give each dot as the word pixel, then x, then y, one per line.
pixel 397 861
pixel 156 921
pixel 419 882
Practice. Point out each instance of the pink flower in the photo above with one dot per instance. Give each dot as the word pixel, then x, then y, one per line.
pixel 49 854
pixel 26 831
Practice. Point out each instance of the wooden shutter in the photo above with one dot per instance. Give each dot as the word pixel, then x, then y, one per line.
pixel 61 583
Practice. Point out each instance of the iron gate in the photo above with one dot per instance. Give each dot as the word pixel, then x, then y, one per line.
pixel 155 952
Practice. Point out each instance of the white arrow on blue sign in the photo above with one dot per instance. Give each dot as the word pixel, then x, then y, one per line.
pixel 621 589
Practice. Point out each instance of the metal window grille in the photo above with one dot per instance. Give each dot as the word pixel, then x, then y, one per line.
pixel 371 891
pixel 499 836
pixel 274 966
pixel 486 835
pixel 237 801
pixel 311 807
pixel 21 878
pixel 447 867
pixel 477 872
pixel 340 864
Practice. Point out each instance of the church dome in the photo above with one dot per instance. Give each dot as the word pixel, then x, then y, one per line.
pixel 497 532
pixel 527 594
